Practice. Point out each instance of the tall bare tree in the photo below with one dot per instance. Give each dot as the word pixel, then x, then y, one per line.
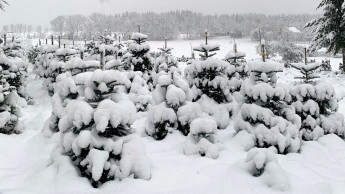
pixel 58 25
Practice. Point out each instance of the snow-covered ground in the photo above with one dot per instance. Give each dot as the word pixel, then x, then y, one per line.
pixel 26 165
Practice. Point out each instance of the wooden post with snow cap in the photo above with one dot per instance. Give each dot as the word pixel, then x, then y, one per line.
pixel 166 46
pixel 52 39
pixel 64 45
pixel 102 59
pixel 5 39
pixel 235 49
pixel 82 55
pixel 46 41
pixel 305 56
pixel 39 42
pixel 12 38
pixel 206 35
pixel 263 52
pixel 59 40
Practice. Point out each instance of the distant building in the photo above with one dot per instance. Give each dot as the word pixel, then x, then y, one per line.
pixel 294 30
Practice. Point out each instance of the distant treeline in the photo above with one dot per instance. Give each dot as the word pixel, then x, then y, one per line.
pixel 175 24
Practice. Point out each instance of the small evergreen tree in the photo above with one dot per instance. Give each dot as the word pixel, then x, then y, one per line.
pixel 316 104
pixel 206 50
pixel 97 129
pixel 9 112
pixel 326 65
pixel 236 59
pixel 210 76
pixel 171 92
pixel 139 49
pixel 266 114
pixel 165 61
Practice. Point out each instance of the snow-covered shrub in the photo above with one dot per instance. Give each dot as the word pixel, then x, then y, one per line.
pixel 308 71
pixel 165 61
pixel 266 113
pixel 210 77
pixel 204 107
pixel 9 110
pixel 97 129
pixel 316 104
pixel 325 65
pixel 45 53
pixel 77 65
pixel 15 72
pixel 139 91
pixel 205 50
pixel 258 159
pixel 139 49
pixel 171 92
pixel 236 59
pixel 32 55
pixel 105 47
pixel 114 65
pixel 66 90
pixel 263 163
pixel 202 138
pixel 119 49
pixel 160 121
pixel 17 67
pixel 13 49
pixel 56 65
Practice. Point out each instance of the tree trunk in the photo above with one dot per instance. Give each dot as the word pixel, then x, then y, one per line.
pixel 343 60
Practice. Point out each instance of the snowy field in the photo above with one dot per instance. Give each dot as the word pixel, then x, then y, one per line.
pixel 26 165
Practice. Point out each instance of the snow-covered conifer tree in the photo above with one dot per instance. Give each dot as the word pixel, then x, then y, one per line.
pixel 266 114
pixel 65 91
pixel 17 68
pixel 205 49
pixel 236 58
pixel 76 65
pixel 316 104
pixel 165 61
pixel 210 76
pixel 97 133
pixel 139 49
pixel 171 92
pixel 325 65
pixel 56 66
pixel 201 139
pixel 139 91
pixel 9 99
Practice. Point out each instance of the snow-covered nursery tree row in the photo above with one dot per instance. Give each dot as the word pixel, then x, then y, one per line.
pixel 98 89
pixel 13 96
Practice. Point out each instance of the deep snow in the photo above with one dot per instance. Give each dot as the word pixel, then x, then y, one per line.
pixel 26 165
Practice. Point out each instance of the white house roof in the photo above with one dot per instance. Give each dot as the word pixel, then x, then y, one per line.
pixel 294 30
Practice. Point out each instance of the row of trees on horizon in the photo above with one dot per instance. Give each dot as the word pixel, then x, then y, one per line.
pixel 171 25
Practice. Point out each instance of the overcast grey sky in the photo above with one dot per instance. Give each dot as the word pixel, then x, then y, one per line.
pixel 41 12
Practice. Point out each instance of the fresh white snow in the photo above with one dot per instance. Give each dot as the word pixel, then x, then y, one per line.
pixel 26 159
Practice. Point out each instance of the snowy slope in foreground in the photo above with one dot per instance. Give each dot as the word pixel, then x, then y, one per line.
pixel 26 167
